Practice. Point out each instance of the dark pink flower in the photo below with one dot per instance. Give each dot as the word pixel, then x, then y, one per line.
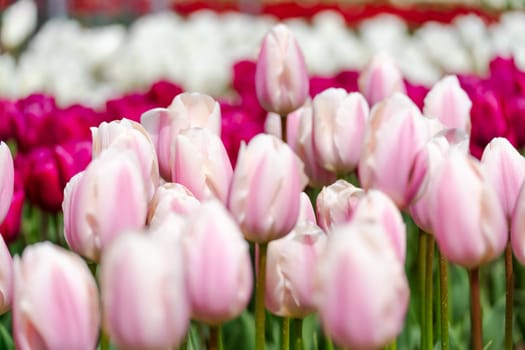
pixel 10 227
pixel 163 92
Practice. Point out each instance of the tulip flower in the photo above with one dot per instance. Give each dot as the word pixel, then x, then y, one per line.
pixel 201 163
pixel 126 134
pixel 392 160
pixel 6 277
pixel 289 279
pixel 110 196
pixel 449 103
pixel 361 289
pixel 145 304
pixel 380 79
pixel 55 301
pixel 265 190
pixel 219 273
pixel 339 124
pixel 7 180
pixel 468 219
pixel 187 110
pixel 10 227
pixel 301 141
pixel 336 203
pixel 505 168
pixel 281 78
pixel 171 198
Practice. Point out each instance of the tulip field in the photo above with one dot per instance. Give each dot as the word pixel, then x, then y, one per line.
pixel 296 177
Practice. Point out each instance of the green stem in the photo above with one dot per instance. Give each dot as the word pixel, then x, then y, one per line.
pixel 298 333
pixel 475 311
pixel 259 299
pixel 329 344
pixel 391 346
pixel 429 324
pixel 443 292
pixel 422 262
pixel 104 340
pixel 285 340
pixel 216 338
pixel 44 226
pixel 509 297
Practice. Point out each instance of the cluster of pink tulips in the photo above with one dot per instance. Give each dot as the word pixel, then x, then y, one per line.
pixel 160 224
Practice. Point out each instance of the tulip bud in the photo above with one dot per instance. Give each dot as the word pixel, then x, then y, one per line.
pixel 505 168
pixel 392 160
pixel 55 303
pixel 281 78
pixel 265 190
pixel 6 277
pixel 336 204
pixel 380 79
pixel 301 141
pixel 171 198
pixel 107 198
pixel 289 279
pixel 449 103
pixel 143 293
pixel 361 289
pixel 468 220
pixel 7 180
pixel 126 134
pixel 272 125
pixel 339 125
pixel 201 164
pixel 219 273
pixel 187 110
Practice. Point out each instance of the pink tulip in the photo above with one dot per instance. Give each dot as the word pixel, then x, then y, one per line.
pixel 219 273
pixel 143 293
pixel 109 197
pixel 272 125
pixel 265 190
pixel 505 168
pixel 201 164
pixel 6 277
pixel 7 180
pixel 55 303
pixel 289 278
pixel 361 289
pixel 468 220
pixel 126 134
pixel 171 198
pixel 339 125
pixel 449 103
pixel 380 79
pixel 186 111
pixel 306 210
pixel 436 149
pixel 299 130
pixel 336 204
pixel 375 207
pixel 392 160
pixel 281 78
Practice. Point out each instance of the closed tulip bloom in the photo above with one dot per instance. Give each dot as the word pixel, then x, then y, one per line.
pixel 361 289
pixel 505 168
pixel 171 198
pixel 201 164
pixel 392 160
pixel 336 204
pixel 339 124
pixel 468 220
pixel 299 130
pixel 265 190
pixel 289 278
pixel 7 180
pixel 126 134
pixel 6 277
pixel 143 293
pixel 219 273
pixel 186 111
pixel 281 78
pixel 449 103
pixel 55 303
pixel 380 79
pixel 109 197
